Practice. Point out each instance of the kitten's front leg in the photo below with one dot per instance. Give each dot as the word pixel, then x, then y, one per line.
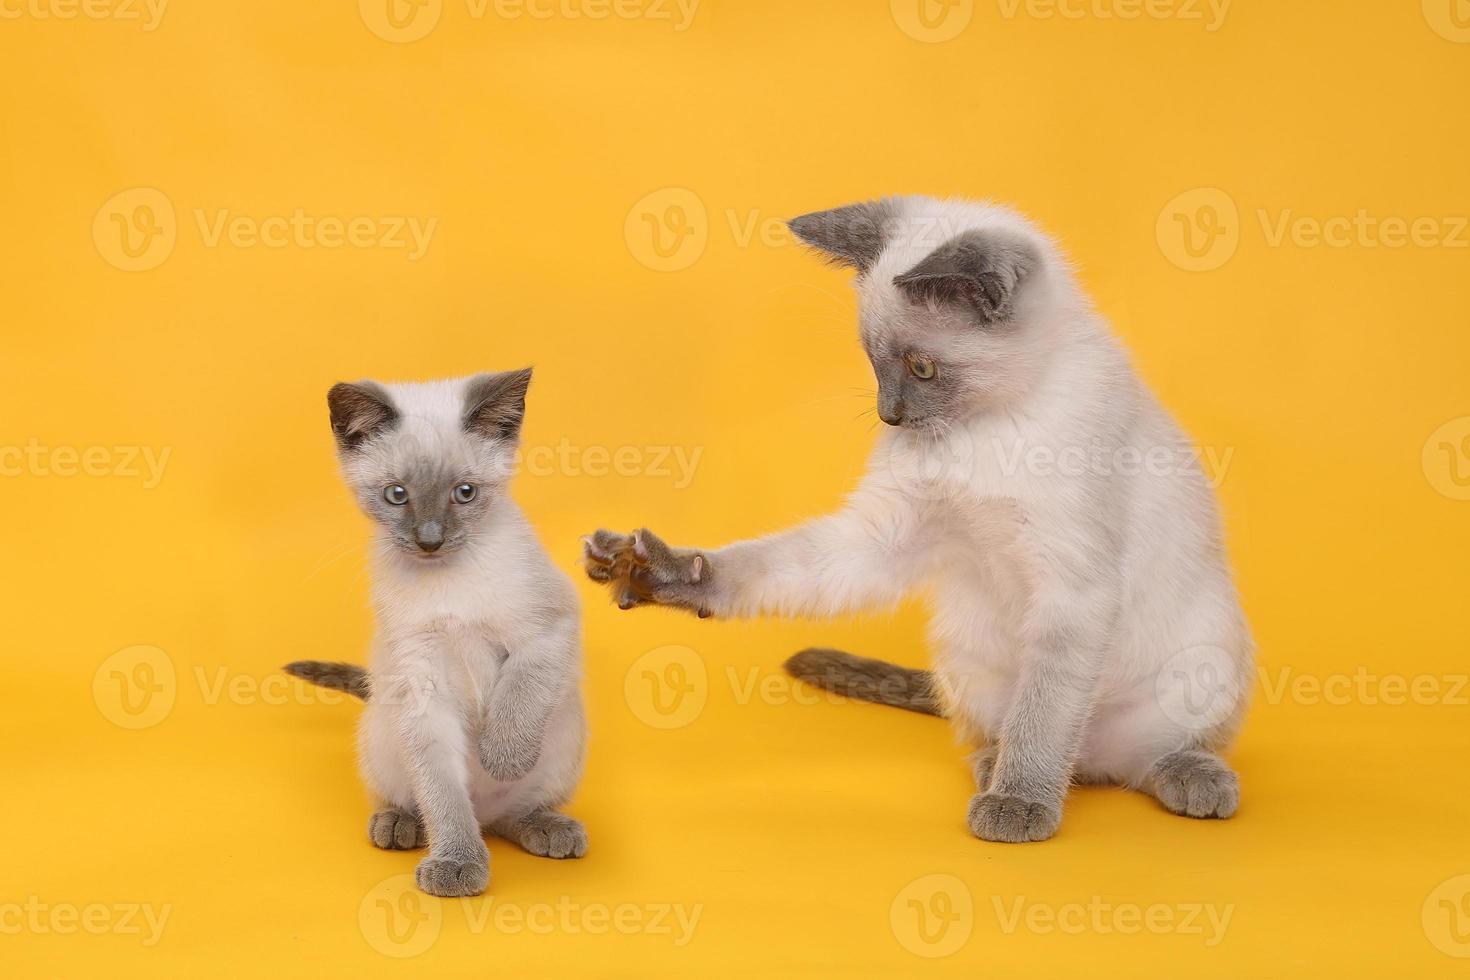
pixel 532 682
pixel 871 552
pixel 428 725
pixel 1031 770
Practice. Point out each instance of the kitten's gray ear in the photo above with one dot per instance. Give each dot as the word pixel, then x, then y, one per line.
pixel 495 404
pixel 359 411
pixel 980 269
pixel 853 236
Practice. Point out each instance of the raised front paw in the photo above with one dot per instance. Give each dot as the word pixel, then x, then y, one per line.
pixel 453 878
pixel 642 570
pixel 507 759
pixel 1012 820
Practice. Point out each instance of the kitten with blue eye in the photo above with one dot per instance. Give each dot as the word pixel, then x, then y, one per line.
pixel 474 717
pixel 1085 624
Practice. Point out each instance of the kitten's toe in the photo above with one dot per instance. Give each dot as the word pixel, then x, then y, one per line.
pixel 396 830
pixel 600 552
pixel 450 878
pixel 1012 820
pixel 1195 784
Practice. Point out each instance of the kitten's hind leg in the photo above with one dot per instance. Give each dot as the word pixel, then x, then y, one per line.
pixel 1194 783
pixel 545 833
pixel 395 829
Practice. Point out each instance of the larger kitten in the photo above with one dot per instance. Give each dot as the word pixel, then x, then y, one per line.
pixel 474 717
pixel 1085 625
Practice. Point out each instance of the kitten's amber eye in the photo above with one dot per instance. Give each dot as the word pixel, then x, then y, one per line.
pixel 395 495
pixel 464 493
pixel 921 367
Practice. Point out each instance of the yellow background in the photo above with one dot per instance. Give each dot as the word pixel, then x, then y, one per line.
pixel 535 143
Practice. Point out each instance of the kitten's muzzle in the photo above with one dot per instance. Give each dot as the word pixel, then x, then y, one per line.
pixel 429 536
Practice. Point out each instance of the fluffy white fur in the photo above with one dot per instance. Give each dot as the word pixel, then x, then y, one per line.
pixel 475 718
pixel 1085 625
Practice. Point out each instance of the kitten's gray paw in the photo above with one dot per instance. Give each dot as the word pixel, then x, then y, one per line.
pixel 507 760
pixel 396 830
pixel 642 570
pixel 547 833
pixel 450 878
pixel 1195 784
pixel 1012 820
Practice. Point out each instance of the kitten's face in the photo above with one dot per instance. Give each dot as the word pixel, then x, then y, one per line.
pixel 945 298
pixel 426 462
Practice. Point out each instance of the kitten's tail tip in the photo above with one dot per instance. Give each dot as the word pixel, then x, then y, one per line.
pixel 865 679
pixel 350 678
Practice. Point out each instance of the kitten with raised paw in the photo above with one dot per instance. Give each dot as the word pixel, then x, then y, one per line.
pixel 474 719
pixel 1085 623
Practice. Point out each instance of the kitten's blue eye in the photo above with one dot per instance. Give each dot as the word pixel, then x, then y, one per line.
pixel 464 493
pixel 395 495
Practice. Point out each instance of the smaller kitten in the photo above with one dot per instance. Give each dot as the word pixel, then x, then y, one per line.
pixel 474 718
